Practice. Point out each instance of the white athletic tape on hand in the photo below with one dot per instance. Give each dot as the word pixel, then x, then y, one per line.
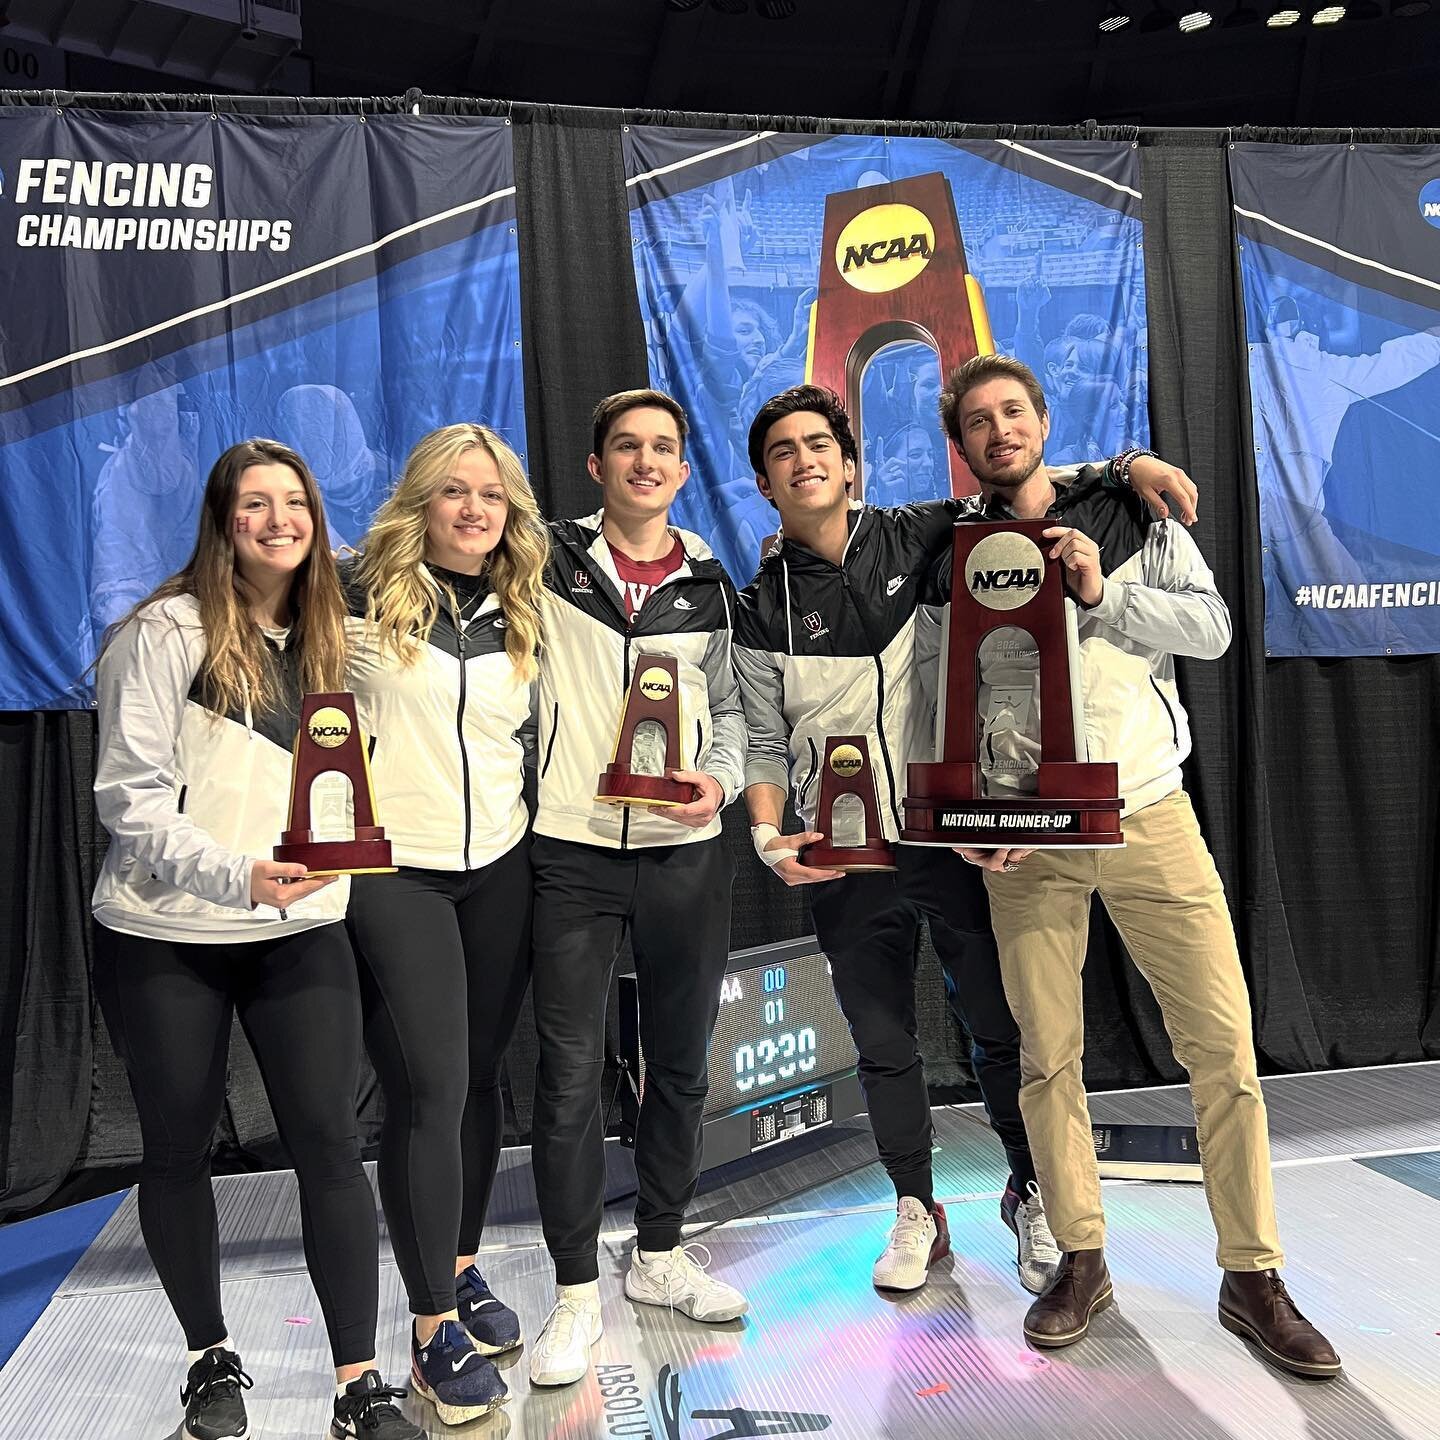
pixel 760 837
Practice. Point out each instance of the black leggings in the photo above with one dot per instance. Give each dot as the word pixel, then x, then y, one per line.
pixel 169 1006
pixel 444 961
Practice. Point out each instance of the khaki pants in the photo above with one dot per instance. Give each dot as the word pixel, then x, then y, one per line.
pixel 1165 897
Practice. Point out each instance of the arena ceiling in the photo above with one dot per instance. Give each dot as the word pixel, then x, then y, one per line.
pixel 1006 60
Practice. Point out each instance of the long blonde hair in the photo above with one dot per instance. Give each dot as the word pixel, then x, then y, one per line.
pixel 399 600
pixel 238 669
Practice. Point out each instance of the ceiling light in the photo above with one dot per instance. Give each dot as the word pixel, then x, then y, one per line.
pixel 1113 19
pixel 683 5
pixel 1328 15
pixel 1158 19
pixel 776 9
pixel 1195 20
pixel 1281 16
pixel 1410 7
pixel 1242 14
pixel 730 7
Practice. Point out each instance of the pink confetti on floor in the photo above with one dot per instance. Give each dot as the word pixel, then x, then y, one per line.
pixel 941 1389
pixel 297 1319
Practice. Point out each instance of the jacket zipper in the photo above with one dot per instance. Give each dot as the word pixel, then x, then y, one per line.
pixel 879 693
pixel 809 774
pixel 554 731
pixel 624 684
pixel 1169 713
pixel 460 733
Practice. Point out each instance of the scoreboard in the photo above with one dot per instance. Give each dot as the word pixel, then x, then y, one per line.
pixel 781 1059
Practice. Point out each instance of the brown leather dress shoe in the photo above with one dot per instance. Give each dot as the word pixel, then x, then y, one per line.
pixel 1256 1305
pixel 1081 1289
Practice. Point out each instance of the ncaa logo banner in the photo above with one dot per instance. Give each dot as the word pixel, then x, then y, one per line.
pixel 173 283
pixel 871 265
pixel 1340 267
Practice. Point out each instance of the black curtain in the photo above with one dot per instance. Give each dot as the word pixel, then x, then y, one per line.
pixel 1316 781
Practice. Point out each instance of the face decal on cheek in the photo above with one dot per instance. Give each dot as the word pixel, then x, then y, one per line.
pixel 242 524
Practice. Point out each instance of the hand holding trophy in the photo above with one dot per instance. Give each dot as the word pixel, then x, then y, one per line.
pixel 647 748
pixel 329 742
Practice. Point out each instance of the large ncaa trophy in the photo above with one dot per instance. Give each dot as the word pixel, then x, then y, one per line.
pixel 892 270
pixel 329 743
pixel 847 811
pixel 648 745
pixel 1001 578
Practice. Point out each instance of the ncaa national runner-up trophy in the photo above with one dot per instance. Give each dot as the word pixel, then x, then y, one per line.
pixel 847 811
pixel 329 742
pixel 1002 578
pixel 647 747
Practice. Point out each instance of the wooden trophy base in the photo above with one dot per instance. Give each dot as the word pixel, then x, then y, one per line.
pixel 337 857
pixel 850 859
pixel 1076 807
pixel 622 786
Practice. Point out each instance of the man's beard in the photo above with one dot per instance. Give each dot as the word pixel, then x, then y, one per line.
pixel 1011 479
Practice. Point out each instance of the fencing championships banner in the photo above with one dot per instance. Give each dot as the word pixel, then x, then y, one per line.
pixel 171 284
pixel 1340 266
pixel 867 264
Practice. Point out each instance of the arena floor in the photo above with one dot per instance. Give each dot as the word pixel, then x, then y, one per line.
pixel 821 1352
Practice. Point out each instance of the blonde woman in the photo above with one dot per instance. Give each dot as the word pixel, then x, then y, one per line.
pixel 198 695
pixel 445 607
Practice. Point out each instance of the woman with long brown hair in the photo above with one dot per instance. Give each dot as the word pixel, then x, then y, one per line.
pixel 198 693
pixel 445 605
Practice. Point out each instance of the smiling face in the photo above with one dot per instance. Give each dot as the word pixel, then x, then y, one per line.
pixel 806 473
pixel 271 524
pixel 642 467
pixel 1003 436
pixel 466 515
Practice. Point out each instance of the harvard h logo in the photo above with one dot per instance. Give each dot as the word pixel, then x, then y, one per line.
pixel 813 622
pixel 582 580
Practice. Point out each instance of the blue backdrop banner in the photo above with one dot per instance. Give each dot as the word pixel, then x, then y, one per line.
pixel 1340 265
pixel 735 242
pixel 173 283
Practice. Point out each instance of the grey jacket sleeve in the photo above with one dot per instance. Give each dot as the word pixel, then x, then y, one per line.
pixel 141 685
pixel 762 688
pixel 1177 609
pixel 724 757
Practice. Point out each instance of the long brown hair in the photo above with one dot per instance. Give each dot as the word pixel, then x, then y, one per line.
pixel 238 670
pixel 399 600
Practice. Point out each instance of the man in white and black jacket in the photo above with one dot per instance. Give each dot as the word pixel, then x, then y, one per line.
pixel 623 583
pixel 825 646
pixel 1144 595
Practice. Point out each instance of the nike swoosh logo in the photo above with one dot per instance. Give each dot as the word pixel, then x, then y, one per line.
pixel 891 586
pixel 681 603
pixel 457 1366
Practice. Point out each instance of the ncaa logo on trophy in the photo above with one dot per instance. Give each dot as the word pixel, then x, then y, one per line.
pixel 647 747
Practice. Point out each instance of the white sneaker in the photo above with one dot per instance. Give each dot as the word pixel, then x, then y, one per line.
pixel 917 1241
pixel 561 1352
pixel 1037 1256
pixel 678 1279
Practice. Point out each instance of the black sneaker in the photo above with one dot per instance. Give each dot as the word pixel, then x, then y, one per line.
pixel 493 1325
pixel 214 1407
pixel 365 1412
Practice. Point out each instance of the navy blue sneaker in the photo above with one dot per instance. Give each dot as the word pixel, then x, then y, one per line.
pixel 493 1325
pixel 214 1406
pixel 454 1376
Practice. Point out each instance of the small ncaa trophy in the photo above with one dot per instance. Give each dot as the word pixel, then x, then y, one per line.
pixel 847 811
pixel 1000 577
pixel 648 745
pixel 329 743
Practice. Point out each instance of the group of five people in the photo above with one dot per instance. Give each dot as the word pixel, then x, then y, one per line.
pixel 465 615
